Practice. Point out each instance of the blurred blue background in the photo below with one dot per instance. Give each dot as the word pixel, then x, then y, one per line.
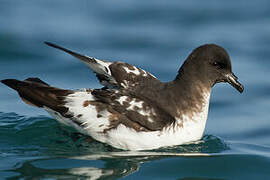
pixel 154 35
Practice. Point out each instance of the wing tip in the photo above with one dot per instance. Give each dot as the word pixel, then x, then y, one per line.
pixel 77 55
pixel 52 45
pixel 47 42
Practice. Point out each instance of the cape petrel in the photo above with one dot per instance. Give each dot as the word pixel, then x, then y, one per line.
pixel 134 110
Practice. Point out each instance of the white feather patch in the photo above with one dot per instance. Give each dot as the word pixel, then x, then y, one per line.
pixel 134 104
pixel 135 71
pixel 122 99
pixel 138 107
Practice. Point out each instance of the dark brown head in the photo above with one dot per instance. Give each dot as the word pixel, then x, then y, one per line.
pixel 210 64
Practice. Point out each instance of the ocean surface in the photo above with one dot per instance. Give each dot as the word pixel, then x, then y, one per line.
pixel 154 35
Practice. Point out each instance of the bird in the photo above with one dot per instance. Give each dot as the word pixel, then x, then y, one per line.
pixel 134 110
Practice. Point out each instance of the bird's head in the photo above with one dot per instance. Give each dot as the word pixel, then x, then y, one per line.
pixel 211 63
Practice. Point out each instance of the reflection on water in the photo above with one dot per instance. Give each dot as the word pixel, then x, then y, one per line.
pixel 135 165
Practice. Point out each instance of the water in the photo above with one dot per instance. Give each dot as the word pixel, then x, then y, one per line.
pixel 156 36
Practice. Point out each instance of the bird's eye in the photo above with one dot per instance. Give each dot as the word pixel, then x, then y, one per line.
pixel 219 65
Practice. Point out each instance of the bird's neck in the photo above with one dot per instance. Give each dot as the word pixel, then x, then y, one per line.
pixel 193 93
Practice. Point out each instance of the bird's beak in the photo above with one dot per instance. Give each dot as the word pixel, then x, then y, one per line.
pixel 233 80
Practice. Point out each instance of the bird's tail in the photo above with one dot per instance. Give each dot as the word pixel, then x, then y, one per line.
pixel 35 92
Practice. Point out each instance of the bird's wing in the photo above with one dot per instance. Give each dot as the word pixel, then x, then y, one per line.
pixel 112 74
pixel 136 112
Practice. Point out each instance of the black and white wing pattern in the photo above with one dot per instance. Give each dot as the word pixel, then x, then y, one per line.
pixel 113 74
pixel 138 113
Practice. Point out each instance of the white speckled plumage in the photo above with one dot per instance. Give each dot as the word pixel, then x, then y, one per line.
pixel 122 99
pixel 135 71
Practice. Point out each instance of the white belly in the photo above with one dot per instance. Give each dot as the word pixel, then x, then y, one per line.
pixel 129 139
